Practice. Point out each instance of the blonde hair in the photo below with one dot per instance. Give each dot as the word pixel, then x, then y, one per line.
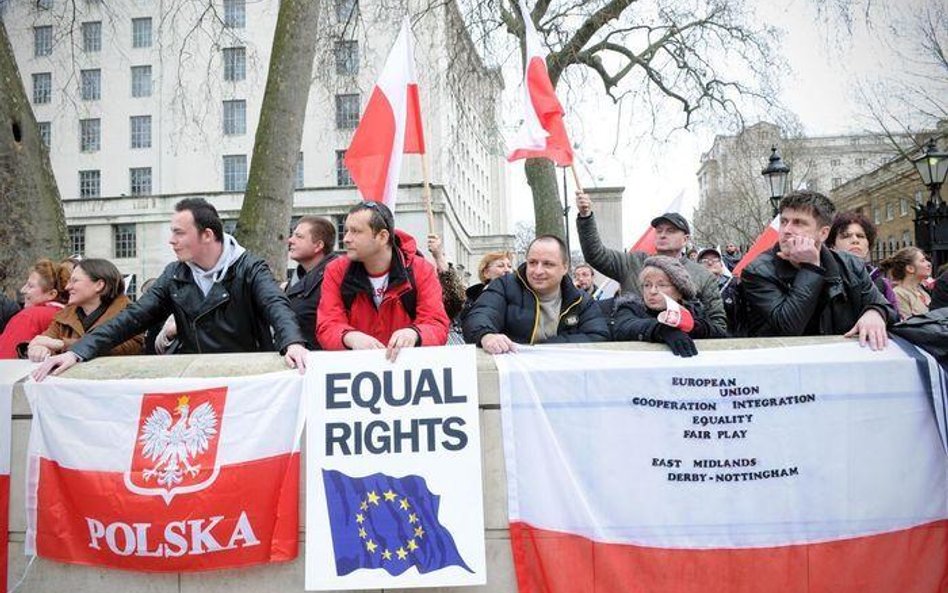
pixel 489 258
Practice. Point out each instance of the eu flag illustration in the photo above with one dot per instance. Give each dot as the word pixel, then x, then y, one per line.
pixel 390 523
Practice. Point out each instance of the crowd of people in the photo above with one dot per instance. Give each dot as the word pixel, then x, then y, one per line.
pixel 383 293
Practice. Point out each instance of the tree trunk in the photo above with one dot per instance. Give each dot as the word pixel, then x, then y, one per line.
pixel 268 202
pixel 547 203
pixel 32 224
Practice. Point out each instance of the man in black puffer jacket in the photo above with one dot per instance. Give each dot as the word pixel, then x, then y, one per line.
pixel 538 304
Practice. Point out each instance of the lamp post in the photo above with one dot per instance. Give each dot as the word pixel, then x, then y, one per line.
pixel 931 219
pixel 777 173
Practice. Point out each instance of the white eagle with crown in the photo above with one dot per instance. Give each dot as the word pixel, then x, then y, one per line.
pixel 171 445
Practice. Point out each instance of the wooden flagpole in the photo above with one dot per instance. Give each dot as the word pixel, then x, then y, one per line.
pixel 579 186
pixel 426 192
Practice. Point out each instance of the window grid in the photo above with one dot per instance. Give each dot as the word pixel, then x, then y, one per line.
pixel 131 289
pixel 139 181
pixel 299 171
pixel 92 36
pixel 235 14
pixel 123 241
pixel 235 172
pixel 42 41
pixel 45 133
pixel 141 32
pixel 235 64
pixel 347 111
pixel 89 184
pixel 341 233
pixel 140 131
pixel 347 57
pixel 90 135
pixel 343 178
pixel 141 81
pixel 235 118
pixel 90 84
pixel 42 88
pixel 77 240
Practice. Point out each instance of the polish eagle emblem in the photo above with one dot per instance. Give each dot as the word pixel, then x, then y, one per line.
pixel 171 445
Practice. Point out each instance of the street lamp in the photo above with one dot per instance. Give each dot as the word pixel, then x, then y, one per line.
pixel 931 219
pixel 933 168
pixel 777 174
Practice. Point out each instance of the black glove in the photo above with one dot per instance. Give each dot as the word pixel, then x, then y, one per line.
pixel 680 343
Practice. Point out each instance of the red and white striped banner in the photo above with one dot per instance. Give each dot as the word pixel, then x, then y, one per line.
pixel 11 371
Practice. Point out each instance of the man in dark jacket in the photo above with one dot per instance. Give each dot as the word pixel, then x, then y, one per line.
pixel 538 304
pixel 940 293
pixel 803 288
pixel 311 246
pixel 223 299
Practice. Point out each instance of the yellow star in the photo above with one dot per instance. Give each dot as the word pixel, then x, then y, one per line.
pixel 412 518
pixel 364 505
pixel 370 546
pixel 387 555
pixel 404 504
pixel 362 533
pixel 419 532
pixel 401 553
pixel 373 498
pixel 360 518
pixel 412 546
pixel 389 496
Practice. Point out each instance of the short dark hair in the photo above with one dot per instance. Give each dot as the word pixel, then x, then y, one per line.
pixel 104 270
pixel 583 265
pixel 842 221
pixel 321 229
pixel 564 254
pixel 811 202
pixel 205 216
pixel 381 219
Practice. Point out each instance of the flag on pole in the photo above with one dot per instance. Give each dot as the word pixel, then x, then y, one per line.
pixel 542 133
pixel 765 241
pixel 646 242
pixel 390 126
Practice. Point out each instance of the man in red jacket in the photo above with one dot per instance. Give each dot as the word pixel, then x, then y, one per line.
pixel 384 294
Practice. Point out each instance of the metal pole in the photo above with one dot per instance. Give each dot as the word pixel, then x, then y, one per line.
pixel 569 254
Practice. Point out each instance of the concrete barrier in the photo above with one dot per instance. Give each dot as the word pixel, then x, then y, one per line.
pixel 49 576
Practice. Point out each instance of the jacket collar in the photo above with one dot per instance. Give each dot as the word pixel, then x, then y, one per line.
pixel 356 279
pixel 310 280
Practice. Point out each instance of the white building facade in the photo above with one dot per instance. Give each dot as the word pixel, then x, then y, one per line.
pixel 143 103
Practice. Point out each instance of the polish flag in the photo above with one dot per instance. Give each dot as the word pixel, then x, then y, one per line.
pixel 765 241
pixel 542 133
pixel 390 126
pixel 11 371
pixel 165 475
pixel 624 477
pixel 646 242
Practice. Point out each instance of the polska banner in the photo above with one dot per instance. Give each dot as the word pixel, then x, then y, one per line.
pixel 791 470
pixel 393 496
pixel 11 371
pixel 165 475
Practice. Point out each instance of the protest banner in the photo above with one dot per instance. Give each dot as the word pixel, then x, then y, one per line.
pixel 165 475
pixel 11 371
pixel 393 470
pixel 790 470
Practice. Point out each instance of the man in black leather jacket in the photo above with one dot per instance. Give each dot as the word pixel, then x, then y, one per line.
pixel 223 299
pixel 803 288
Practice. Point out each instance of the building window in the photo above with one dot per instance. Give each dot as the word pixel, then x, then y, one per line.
pixel 43 4
pixel 346 10
pixel 837 181
pixel 141 32
pixel 90 84
pixel 860 162
pixel 341 233
pixel 906 239
pixel 347 58
pixel 42 88
pixel 235 14
pixel 235 172
pixel 140 131
pixel 903 207
pixel 89 184
pixel 230 225
pixel 90 135
pixel 235 63
pixel 235 118
pixel 123 241
pixel 42 41
pixel 92 36
pixel 342 173
pixel 347 111
pixel 834 162
pixel 889 211
pixel 45 132
pixel 299 171
pixel 77 240
pixel 131 287
pixel 141 81
pixel 876 215
pixel 139 181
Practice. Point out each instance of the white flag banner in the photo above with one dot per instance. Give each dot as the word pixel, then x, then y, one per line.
pixel 11 371
pixel 393 468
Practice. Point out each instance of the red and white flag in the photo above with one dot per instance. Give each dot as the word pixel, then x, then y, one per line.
pixel 814 469
pixel 767 239
pixel 646 242
pixel 11 371
pixel 165 475
pixel 390 126
pixel 542 133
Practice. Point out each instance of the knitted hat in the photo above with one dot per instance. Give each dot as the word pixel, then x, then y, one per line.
pixel 676 273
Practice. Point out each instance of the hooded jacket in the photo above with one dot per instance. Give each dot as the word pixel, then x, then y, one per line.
pixel 509 306
pixel 242 303
pixel 347 280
